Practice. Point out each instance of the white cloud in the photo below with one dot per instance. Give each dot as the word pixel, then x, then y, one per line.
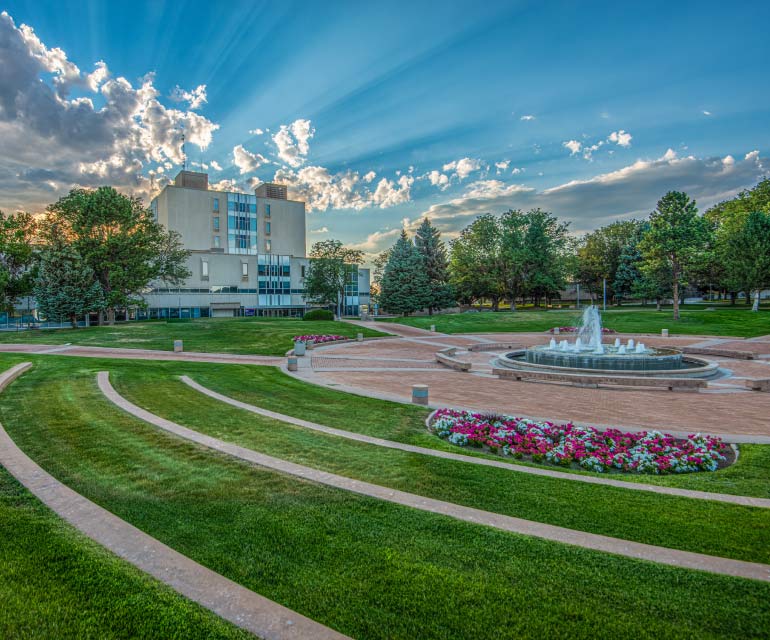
pixel 502 165
pixel 574 146
pixel 621 138
pixel 463 167
pixel 631 191
pixel 390 194
pixel 256 132
pixel 52 141
pixel 226 184
pixel 527 118
pixel 438 179
pixel 369 177
pixel 517 170
pixel 246 161
pixel 215 165
pixel 321 230
pixel 293 142
pixel 706 113
pixel 195 98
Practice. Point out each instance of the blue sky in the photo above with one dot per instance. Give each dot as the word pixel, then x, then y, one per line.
pixel 378 113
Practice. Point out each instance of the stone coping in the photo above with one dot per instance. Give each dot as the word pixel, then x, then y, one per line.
pixel 452 363
pixel 593 541
pixel 231 601
pixel 447 455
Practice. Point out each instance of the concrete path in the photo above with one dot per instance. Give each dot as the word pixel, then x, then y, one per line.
pixel 436 453
pixel 228 599
pixel 636 550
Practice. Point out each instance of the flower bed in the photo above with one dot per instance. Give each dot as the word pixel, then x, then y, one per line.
pixel 319 339
pixel 587 447
pixel 575 330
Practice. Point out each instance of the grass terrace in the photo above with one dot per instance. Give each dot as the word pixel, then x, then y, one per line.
pixel 738 321
pixel 369 569
pixel 256 336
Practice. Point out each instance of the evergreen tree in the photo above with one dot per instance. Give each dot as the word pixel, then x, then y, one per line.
pixel 405 284
pixel 65 286
pixel 676 233
pixel 428 241
pixel 627 275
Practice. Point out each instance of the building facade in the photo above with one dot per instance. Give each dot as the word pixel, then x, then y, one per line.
pixel 248 253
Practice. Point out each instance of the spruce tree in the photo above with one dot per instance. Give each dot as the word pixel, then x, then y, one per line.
pixel 428 242
pixel 405 284
pixel 65 286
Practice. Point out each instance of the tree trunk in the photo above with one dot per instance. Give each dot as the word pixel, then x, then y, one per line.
pixel 747 293
pixel 657 304
pixel 74 321
pixel 101 317
pixel 755 306
pixel 513 304
pixel 111 316
pixel 676 291
pixel 430 310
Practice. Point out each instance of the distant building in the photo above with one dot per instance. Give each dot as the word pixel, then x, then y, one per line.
pixel 248 253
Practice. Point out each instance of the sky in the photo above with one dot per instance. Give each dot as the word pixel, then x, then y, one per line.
pixel 378 114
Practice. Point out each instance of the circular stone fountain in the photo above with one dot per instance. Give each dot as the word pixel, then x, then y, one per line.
pixel 589 355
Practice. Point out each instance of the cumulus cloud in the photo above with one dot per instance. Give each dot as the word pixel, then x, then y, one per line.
pixel 256 132
pixel 322 189
pixel 574 146
pixel 621 138
pixel 438 179
pixel 369 177
pixel 527 118
pixel 293 142
pixel 631 191
pixel 502 165
pixel 246 161
pixel 195 98
pixel 321 230
pixel 463 167
pixel 215 165
pixel 70 141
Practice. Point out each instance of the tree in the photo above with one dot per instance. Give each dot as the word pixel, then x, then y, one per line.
pixel 16 258
pixel 545 242
pixel 120 241
pixel 405 284
pixel 428 241
pixel 513 254
pixel 748 254
pixel 475 265
pixel 330 270
pixel 65 286
pixel 599 255
pixel 675 234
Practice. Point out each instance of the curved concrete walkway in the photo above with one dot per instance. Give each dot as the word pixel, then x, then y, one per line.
pixel 636 550
pixel 228 599
pixel 436 453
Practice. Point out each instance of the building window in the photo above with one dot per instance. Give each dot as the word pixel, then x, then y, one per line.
pixel 245 270
pixel 215 205
pixel 267 228
pixel 216 242
pixel 267 211
pixel 204 270
pixel 216 223
pixel 303 270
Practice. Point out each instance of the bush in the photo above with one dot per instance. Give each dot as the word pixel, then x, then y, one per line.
pixel 319 314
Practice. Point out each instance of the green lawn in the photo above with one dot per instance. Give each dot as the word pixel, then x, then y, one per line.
pixel 368 568
pixel 56 583
pixel 736 321
pixel 261 336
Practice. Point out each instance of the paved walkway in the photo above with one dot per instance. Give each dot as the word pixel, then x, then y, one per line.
pixel 436 453
pixel 228 599
pixel 636 550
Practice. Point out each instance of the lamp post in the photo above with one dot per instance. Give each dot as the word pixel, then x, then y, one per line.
pixel 604 287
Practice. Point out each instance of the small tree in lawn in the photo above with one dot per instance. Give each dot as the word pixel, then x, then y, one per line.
pixel 405 284
pixel 748 254
pixel 329 271
pixel 428 241
pixel 65 286
pixel 675 234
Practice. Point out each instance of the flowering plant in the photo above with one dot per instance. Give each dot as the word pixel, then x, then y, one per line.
pixel 318 339
pixel 588 447
pixel 575 329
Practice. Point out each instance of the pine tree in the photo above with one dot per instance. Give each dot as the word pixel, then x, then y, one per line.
pixel 405 284
pixel 428 242
pixel 65 286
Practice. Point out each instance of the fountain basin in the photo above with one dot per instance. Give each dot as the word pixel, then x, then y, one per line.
pixel 654 362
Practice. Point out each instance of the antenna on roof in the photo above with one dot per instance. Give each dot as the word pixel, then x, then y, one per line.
pixel 184 152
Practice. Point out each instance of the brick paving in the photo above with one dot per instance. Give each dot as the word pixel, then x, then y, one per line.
pixel 228 599
pixel 635 550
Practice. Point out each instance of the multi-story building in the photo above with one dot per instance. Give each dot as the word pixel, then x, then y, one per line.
pixel 248 253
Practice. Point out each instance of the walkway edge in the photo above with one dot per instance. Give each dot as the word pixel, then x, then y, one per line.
pixel 228 599
pixel 747 501
pixel 596 542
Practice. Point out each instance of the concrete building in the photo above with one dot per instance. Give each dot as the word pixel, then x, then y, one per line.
pixel 248 253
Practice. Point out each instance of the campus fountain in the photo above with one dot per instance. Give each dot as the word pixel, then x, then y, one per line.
pixel 589 354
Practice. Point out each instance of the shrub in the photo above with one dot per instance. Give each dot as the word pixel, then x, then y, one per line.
pixel 319 314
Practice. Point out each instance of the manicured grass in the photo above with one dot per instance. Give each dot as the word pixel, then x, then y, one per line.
pixel 260 336
pixel 271 389
pixel 56 583
pixel 693 525
pixel 368 568
pixel 737 321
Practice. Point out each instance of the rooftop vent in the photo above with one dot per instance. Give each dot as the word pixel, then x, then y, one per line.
pixel 272 190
